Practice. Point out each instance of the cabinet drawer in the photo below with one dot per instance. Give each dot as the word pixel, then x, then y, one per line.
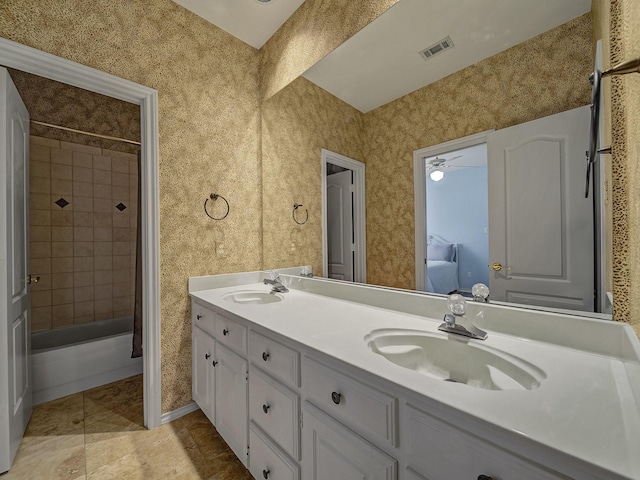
pixel 231 333
pixel 439 451
pixel 280 361
pixel 202 317
pixel 267 461
pixel 276 409
pixel 364 408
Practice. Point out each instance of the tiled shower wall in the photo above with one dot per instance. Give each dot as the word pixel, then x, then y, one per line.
pixel 83 214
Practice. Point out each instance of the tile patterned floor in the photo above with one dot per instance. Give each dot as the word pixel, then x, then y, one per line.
pixel 99 434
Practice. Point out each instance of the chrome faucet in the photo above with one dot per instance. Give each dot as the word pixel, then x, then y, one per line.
pixel 276 284
pixel 458 307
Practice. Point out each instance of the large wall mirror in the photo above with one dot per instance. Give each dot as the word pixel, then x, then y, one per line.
pixel 425 74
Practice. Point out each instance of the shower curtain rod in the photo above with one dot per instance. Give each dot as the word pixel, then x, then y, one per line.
pixel 107 137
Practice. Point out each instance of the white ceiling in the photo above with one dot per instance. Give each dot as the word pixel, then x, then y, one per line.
pixel 381 62
pixel 251 21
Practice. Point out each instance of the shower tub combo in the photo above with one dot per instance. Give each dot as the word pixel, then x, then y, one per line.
pixel 76 358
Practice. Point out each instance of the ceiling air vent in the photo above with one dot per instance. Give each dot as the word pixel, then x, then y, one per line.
pixel 436 48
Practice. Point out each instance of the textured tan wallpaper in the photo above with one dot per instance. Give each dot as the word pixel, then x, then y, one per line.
pixel 625 102
pixel 297 123
pixel 545 75
pixel 209 136
pixel 64 105
pixel 313 31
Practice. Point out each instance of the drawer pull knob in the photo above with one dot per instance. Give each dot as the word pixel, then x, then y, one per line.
pixel 214 363
pixel 225 332
pixel 265 408
pixel 336 397
pixel 198 316
pixel 265 356
pixel 206 356
pixel 265 473
pixel 484 477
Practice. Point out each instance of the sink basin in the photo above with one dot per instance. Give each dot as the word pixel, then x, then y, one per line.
pixel 253 297
pixel 462 361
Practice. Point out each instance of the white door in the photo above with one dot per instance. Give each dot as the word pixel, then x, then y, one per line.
pixel 15 321
pixel 340 225
pixel 540 224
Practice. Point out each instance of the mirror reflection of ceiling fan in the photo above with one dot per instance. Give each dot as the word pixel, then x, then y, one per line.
pixel 437 166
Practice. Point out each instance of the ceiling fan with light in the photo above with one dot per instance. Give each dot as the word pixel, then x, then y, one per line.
pixel 437 166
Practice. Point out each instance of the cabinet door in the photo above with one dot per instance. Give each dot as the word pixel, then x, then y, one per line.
pixel 331 451
pixel 276 409
pixel 231 400
pixel 439 451
pixel 203 380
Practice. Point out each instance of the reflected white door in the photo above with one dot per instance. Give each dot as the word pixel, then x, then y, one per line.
pixel 540 224
pixel 340 225
pixel 15 328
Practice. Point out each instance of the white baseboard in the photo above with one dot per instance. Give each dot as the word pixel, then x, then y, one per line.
pixel 178 412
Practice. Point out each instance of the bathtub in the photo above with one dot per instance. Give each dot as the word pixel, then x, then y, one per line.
pixel 73 359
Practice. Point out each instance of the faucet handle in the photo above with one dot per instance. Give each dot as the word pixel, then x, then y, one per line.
pixel 457 304
pixel 480 293
pixel 449 319
pixel 273 275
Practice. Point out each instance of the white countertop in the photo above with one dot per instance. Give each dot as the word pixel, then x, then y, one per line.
pixel 588 405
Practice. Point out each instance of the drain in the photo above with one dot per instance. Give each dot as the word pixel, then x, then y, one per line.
pixel 451 380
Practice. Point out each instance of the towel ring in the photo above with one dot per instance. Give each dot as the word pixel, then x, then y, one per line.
pixel 293 214
pixel 215 196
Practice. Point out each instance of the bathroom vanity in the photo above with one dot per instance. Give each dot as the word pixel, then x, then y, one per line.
pixel 337 381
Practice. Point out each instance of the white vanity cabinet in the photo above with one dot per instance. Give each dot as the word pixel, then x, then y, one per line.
pixel 220 375
pixel 296 408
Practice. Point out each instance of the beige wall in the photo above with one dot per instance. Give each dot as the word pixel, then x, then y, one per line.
pixel 207 84
pixel 82 248
pixel 313 31
pixel 625 159
pixel 542 76
pixel 298 122
pixel 64 105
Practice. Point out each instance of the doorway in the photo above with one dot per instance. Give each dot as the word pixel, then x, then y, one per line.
pixel 343 218
pixel 541 249
pixel 29 60
pixel 457 220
